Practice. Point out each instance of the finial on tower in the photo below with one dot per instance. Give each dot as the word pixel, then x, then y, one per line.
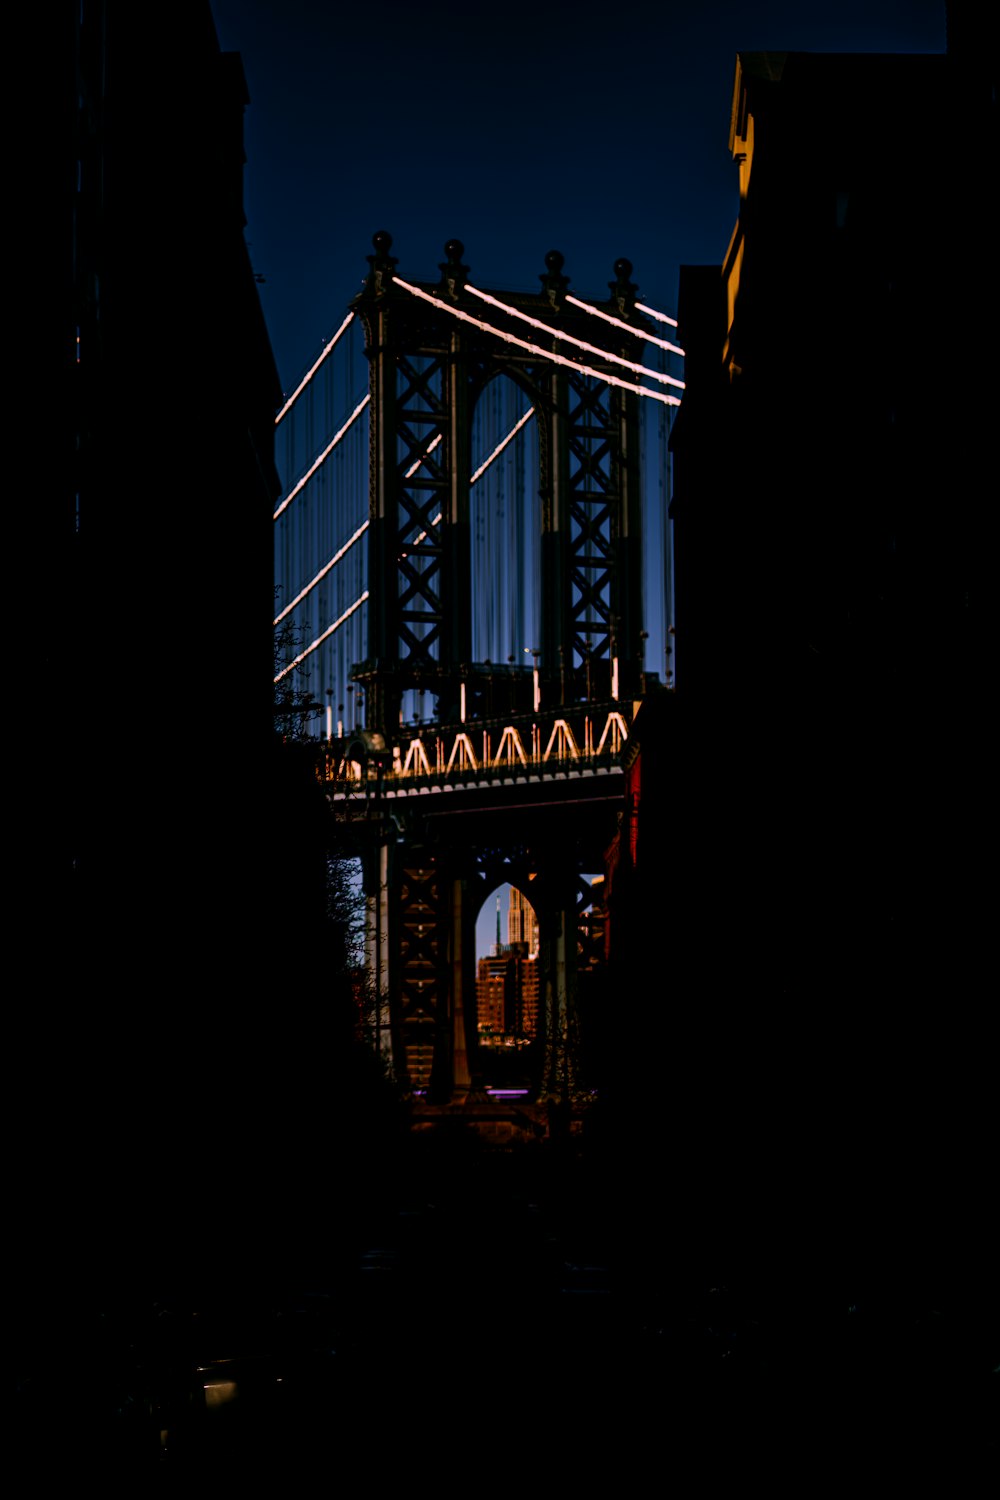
pixel 554 282
pixel 623 291
pixel 382 263
pixel 453 273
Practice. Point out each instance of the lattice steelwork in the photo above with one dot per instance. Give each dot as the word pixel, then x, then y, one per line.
pixel 420 964
pixel 603 519
pixel 422 489
pixel 432 361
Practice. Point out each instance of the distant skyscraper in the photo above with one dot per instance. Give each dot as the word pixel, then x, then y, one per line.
pixel 507 993
pixel 494 984
pixel 522 924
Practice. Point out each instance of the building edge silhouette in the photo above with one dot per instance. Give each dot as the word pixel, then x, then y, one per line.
pixel 147 484
pixel 803 814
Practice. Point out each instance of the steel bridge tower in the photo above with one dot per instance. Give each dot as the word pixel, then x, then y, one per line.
pixel 517 776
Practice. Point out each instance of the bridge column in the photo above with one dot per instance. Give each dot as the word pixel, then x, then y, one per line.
pixel 556 643
pixel 377 932
pixel 460 1075
pixel 382 697
pixel 560 1067
pixel 457 583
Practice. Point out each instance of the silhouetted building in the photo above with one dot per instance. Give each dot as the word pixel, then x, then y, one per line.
pixel 152 526
pixel 837 419
pixel 797 908
pixel 146 599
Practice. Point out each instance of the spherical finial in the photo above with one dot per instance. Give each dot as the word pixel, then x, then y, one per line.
pixel 454 251
pixel 623 268
pixel 555 261
pixel 382 240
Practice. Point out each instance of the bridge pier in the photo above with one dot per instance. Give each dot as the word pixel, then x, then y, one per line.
pixel 560 1081
pixel 422 897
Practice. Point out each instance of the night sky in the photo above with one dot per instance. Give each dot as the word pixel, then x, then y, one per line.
pixel 597 130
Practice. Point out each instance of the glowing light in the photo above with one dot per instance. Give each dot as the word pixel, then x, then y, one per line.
pixel 618 323
pixel 512 434
pixel 322 572
pixel 657 317
pixel 306 378
pixel 323 456
pixel 321 638
pixel 568 338
pixel 556 359
pixel 219 1392
pixel 426 454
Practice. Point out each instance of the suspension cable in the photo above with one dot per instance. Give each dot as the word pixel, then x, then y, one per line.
pixel 321 638
pixel 568 338
pixel 558 359
pixel 302 594
pixel 512 434
pixel 639 333
pixel 426 454
pixel 424 534
pixel 323 456
pixel 323 572
pixel 306 378
pixel 658 317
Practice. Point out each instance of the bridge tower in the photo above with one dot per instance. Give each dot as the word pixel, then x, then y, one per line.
pixel 517 777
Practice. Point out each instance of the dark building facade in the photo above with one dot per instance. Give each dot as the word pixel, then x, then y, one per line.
pixel 831 449
pixel 144 589
pixel 800 844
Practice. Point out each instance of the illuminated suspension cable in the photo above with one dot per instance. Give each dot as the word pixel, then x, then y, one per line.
pixel 568 338
pixel 306 378
pixel 336 559
pixel 512 434
pixel 657 317
pixel 323 572
pixel 423 535
pixel 323 456
pixel 321 638
pixel 426 454
pixel 650 338
pixel 557 359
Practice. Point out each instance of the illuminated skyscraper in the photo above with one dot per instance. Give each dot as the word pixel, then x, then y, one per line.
pixel 507 993
pixel 522 924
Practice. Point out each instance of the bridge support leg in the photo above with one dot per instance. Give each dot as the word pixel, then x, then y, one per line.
pixel 377 949
pixel 461 1077
pixel 560 1068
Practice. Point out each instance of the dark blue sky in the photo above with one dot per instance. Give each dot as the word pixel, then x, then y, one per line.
pixel 595 129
